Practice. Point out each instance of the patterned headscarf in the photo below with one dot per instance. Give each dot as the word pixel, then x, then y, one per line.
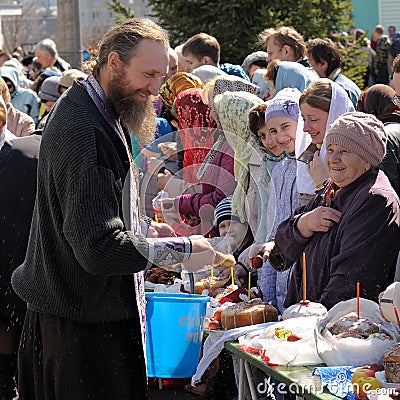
pixel 381 101
pixel 176 84
pixel 234 69
pixel 197 130
pixel 233 112
pixel 227 83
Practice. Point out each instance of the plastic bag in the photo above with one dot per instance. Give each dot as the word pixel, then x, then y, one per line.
pixel 279 350
pixel 353 351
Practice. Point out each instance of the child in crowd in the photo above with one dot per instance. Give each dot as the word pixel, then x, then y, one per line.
pixel 228 224
pixel 283 124
pixel 260 178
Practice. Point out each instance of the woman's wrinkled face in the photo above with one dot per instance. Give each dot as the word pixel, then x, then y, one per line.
pixel 269 141
pixel 315 121
pixel 284 130
pixel 344 166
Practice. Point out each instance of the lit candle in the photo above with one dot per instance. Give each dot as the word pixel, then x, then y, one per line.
pixel 249 286
pixel 304 278
pixel 212 271
pixel 358 300
pixel 232 275
pixel 397 315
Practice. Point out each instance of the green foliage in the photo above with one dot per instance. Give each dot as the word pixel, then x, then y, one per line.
pixel 356 55
pixel 121 12
pixel 237 23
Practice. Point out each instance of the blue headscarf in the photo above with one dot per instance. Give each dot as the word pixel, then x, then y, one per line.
pixel 236 70
pixel 293 75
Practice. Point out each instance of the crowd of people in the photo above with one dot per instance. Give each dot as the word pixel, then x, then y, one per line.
pixel 283 153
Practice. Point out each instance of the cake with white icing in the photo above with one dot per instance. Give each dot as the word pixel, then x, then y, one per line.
pixel 305 309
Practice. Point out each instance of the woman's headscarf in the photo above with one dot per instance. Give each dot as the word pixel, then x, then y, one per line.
pixel 340 104
pixel 265 88
pixel 228 83
pixel 197 130
pixel 176 84
pixel 207 72
pixel 233 111
pixel 381 101
pixel 293 75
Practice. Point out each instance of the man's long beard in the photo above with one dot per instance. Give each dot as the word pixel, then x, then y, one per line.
pixel 138 116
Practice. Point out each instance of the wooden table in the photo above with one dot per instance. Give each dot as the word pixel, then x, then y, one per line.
pixel 298 379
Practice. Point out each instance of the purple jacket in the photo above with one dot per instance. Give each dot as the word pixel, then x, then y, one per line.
pixel 217 183
pixel 363 246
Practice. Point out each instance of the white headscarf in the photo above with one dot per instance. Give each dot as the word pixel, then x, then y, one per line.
pixel 340 104
pixel 5 134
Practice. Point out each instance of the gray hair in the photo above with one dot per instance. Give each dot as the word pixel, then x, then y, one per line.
pixel 47 45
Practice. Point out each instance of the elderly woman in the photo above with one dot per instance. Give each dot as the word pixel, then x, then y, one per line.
pixel 351 230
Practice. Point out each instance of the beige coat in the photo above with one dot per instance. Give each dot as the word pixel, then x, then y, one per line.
pixel 19 123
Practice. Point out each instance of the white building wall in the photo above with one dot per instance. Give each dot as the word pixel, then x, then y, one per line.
pixel 389 13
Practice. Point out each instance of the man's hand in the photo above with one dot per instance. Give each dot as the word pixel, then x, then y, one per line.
pixel 202 254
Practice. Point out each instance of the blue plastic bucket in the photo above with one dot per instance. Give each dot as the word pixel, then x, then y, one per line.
pixel 174 331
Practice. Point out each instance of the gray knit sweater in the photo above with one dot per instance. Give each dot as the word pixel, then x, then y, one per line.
pixel 80 257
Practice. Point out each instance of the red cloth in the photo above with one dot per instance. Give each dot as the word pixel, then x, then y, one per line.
pixel 197 129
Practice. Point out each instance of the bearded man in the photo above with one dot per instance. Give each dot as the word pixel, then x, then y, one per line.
pixel 82 277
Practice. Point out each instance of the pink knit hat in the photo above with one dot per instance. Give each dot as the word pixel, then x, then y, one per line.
pixel 360 133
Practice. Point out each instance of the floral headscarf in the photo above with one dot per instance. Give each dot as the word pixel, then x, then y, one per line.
pixel 176 84
pixel 227 83
pixel 233 113
pixel 381 101
pixel 197 130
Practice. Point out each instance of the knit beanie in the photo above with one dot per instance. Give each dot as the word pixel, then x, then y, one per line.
pixel 284 104
pixel 360 133
pixel 49 89
pixel 223 211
